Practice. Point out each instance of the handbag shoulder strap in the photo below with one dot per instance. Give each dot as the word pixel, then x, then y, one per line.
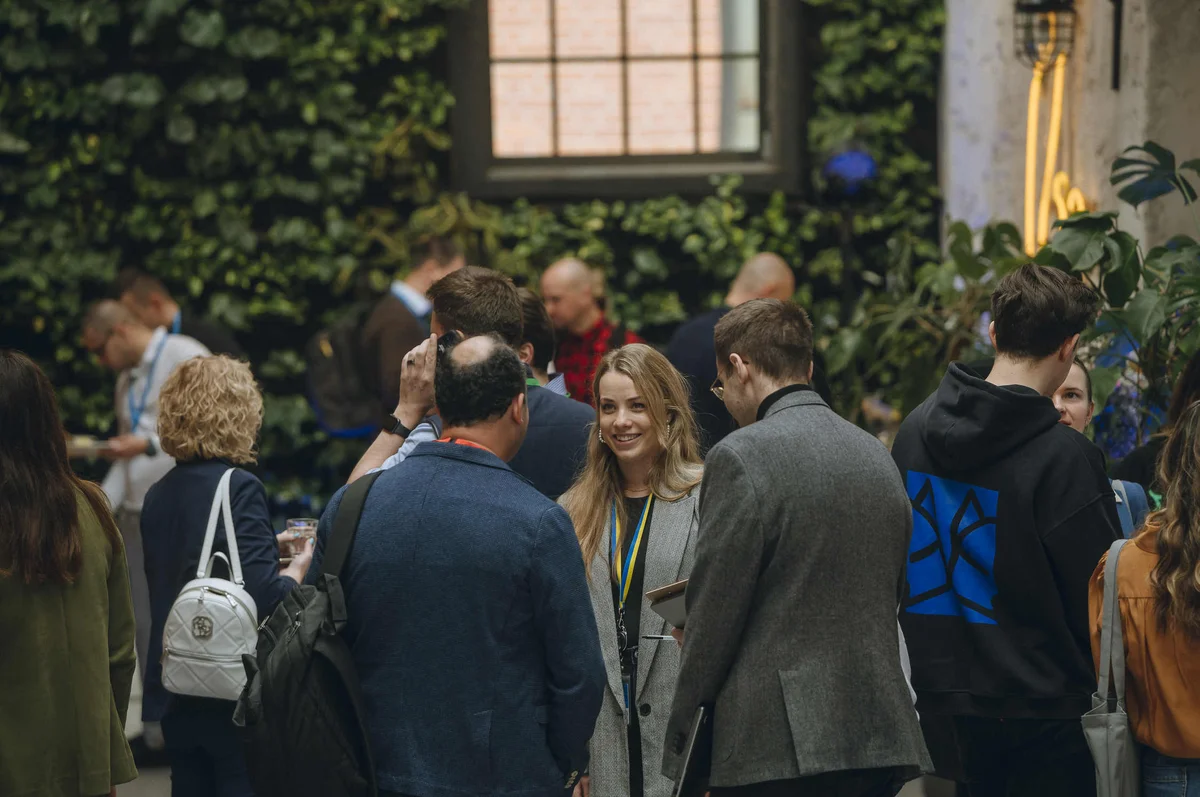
pixel 1112 642
pixel 221 505
pixel 345 524
pixel 1124 512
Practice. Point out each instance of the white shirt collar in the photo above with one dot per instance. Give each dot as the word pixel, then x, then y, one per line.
pixel 152 348
pixel 414 300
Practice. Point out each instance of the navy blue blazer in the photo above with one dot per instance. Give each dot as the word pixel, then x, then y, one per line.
pixel 471 627
pixel 174 519
pixel 556 444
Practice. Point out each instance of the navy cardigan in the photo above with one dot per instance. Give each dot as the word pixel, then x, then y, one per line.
pixel 174 519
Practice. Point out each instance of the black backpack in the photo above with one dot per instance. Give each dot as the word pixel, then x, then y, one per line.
pixel 301 715
pixel 344 404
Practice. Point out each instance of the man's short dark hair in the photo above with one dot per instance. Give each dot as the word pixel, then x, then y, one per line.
pixel 776 337
pixel 1037 308
pixel 480 391
pixel 539 330
pixel 442 251
pixel 139 283
pixel 478 301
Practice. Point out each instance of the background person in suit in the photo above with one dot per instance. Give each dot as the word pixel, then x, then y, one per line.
pixel 469 617
pixel 479 301
pixel 791 628
pixel 211 416
pixel 642 475
pixel 150 302
pixel 400 319
pixel 66 618
pixel 763 276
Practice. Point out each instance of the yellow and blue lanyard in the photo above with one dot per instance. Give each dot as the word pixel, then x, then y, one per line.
pixel 624 571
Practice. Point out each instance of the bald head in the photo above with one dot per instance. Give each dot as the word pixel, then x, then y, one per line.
pixel 106 315
pixel 763 276
pixel 569 292
pixel 114 335
pixel 473 351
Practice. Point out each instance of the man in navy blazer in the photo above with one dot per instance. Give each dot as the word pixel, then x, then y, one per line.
pixel 470 621
pixel 479 301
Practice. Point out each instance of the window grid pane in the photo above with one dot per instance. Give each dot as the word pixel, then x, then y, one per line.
pixel 706 94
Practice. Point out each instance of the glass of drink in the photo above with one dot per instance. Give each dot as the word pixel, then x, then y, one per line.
pixel 301 529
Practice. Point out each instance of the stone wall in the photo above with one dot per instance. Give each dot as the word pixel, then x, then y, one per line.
pixel 985 98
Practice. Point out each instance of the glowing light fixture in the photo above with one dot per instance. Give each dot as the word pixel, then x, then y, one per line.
pixel 1043 30
pixel 1044 34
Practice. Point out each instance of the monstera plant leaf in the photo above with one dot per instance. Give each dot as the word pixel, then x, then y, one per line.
pixel 1148 172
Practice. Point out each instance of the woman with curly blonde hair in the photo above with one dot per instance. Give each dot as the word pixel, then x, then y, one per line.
pixel 1158 590
pixel 210 412
pixel 635 510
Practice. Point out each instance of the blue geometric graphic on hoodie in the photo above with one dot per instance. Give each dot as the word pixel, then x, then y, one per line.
pixel 952 557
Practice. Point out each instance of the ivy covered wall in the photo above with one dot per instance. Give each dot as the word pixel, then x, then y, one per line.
pixel 270 160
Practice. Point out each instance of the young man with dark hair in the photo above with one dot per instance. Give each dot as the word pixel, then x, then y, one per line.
pixel 400 320
pixel 148 299
pixel 539 344
pixel 479 301
pixel 1011 511
pixel 791 633
pixel 470 621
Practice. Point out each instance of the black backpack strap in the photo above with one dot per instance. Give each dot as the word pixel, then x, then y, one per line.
pixel 345 524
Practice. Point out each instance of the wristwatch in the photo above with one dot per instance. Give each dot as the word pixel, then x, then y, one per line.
pixel 397 427
pixel 151 450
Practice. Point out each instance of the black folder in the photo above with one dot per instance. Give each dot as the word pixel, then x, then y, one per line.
pixel 697 756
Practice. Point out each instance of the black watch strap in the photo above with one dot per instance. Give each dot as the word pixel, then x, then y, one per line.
pixel 396 427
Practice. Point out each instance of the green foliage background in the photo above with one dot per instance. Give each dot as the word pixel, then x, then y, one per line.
pixel 271 160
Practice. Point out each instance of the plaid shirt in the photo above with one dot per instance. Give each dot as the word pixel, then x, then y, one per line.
pixel 579 356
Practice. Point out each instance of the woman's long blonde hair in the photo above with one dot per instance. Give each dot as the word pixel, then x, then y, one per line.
pixel 1175 579
pixel 677 470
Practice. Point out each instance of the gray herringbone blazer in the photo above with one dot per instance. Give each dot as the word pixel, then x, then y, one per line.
pixel 791 629
pixel 669 554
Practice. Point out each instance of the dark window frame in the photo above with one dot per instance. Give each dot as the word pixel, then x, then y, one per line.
pixel 783 93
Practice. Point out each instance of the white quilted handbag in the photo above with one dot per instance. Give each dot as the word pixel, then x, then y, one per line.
pixel 213 622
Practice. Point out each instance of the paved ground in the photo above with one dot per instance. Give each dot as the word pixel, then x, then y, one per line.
pixel 157 782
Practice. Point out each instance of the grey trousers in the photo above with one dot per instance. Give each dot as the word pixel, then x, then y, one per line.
pixel 130 524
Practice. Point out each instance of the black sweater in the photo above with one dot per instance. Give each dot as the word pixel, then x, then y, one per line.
pixel 1011 513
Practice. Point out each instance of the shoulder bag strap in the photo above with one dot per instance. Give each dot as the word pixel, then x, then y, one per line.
pixel 1124 511
pixel 345 524
pixel 220 502
pixel 1112 643
pixel 235 560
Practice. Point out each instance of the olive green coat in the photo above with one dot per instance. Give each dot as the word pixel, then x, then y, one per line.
pixel 66 666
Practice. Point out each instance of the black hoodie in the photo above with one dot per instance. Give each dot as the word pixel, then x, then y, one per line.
pixel 1011 513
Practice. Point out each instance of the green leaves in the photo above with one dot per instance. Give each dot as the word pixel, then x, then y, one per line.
pixel 136 89
pixel 1145 315
pixel 203 29
pixel 1149 172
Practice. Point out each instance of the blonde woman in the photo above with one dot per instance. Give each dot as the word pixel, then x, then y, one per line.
pixel 210 412
pixel 635 510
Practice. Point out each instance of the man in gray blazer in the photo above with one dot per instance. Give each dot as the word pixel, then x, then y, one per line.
pixel 791 627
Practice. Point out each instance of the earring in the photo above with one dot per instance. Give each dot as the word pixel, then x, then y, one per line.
pixel 668 428
pixel 600 435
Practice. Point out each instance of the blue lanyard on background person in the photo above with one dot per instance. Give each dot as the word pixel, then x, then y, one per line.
pixel 177 322
pixel 135 412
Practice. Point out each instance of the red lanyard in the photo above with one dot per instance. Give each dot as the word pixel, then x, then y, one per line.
pixel 460 442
